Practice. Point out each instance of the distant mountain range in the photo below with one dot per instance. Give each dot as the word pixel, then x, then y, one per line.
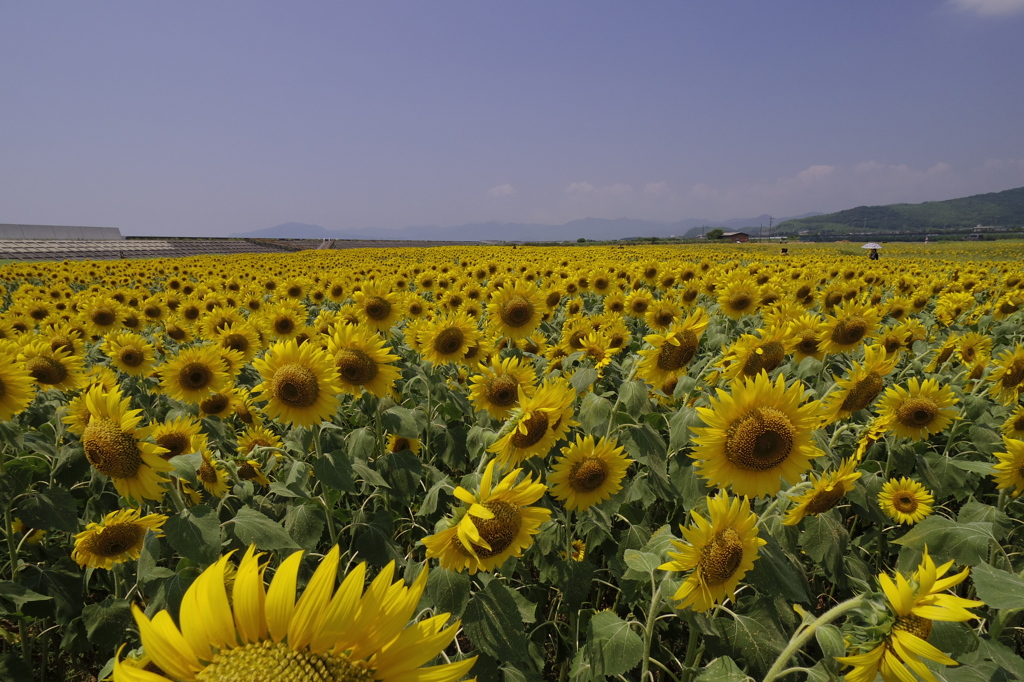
pixel 996 209
pixel 588 228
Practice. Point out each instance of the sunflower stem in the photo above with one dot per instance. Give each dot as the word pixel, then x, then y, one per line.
pixel 618 398
pixel 693 639
pixel 26 646
pixel 652 619
pixel 802 635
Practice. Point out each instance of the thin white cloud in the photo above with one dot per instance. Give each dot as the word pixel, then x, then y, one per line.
pixel 505 190
pixel 988 8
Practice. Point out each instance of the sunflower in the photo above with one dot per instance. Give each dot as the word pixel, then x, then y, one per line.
pixel 1008 376
pixel 396 443
pixel 864 383
pixel 117 539
pixel 915 604
pixel 363 361
pixel 1010 468
pixel 672 352
pixel 115 447
pixel 905 500
pixel 596 347
pixel 16 387
pixel 449 338
pixel 251 470
pixel 101 315
pixel 662 313
pixel 496 388
pixel 211 473
pixel 129 353
pixel 1013 427
pixel 894 340
pixel 377 307
pixel 756 436
pixel 300 383
pixel 943 353
pixel 851 324
pixel 220 405
pixel 240 336
pixel 741 296
pixel 587 472
pixel 496 524
pixel 515 309
pixel 286 319
pixel 50 368
pixel 750 355
pixel 178 436
pixel 258 437
pixel 638 302
pixel 720 550
pixel 918 411
pixel 265 634
pixel 973 346
pixel 193 374
pixel 537 424
pixel 804 336
pixel 826 492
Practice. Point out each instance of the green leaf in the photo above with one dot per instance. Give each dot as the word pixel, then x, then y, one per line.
pixel 641 564
pixel 633 395
pixel 966 543
pixel 679 427
pixel 404 471
pixel 999 589
pixel 373 541
pixel 830 639
pixel 594 414
pixel 774 573
pixel 722 669
pixel 983 468
pixel 362 444
pixel 106 622
pixel 53 509
pixel 19 595
pixel 63 581
pixel 369 475
pixel 334 470
pixel 305 524
pixel 754 636
pixel 256 528
pixel 584 378
pixel 574 579
pixel 448 591
pixel 404 422
pixel 195 533
pixel 824 537
pixel 976 511
pixel 990 662
pixel 493 624
pixel 614 648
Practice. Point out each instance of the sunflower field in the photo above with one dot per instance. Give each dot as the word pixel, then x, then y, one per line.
pixel 670 463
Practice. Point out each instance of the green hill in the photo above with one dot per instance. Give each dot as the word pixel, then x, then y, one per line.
pixel 952 217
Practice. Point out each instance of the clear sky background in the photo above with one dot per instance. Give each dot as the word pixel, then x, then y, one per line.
pixel 207 118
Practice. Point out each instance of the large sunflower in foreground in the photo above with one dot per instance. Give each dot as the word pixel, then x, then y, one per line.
pixel 720 550
pixel 826 492
pixel 1008 376
pixel 496 388
pixel 267 635
pixel 50 368
pixel 864 383
pixel 537 424
pixel 16 387
pixel 671 352
pixel 115 447
pixel 588 472
pixel 193 374
pixel 497 523
pixel 921 409
pixel 515 309
pixel 364 362
pixel 902 643
pixel 118 538
pixel 300 383
pixel 757 435
pixel 1010 468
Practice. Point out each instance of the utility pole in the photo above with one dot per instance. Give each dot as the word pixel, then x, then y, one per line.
pixel 770 220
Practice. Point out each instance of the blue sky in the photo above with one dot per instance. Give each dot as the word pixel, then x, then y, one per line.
pixel 200 118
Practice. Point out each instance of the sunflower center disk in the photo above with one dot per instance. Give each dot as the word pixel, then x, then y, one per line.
pixel 500 531
pixel 824 500
pixel 849 331
pixel 772 355
pixel 760 440
pixel 195 376
pixel 269 662
pixel 808 343
pixel 103 317
pixel 672 358
pixel 112 451
pixel 355 366
pixel 246 471
pixel 377 308
pixel 449 340
pixel 296 386
pixel 536 429
pixel 905 503
pixel 720 558
pixel 915 625
pixel 861 395
pixel 739 302
pixel 516 312
pixel 3 389
pixel 206 473
pixel 284 325
pixel 588 475
pixel 917 412
pixel 503 391
pixel 132 357
pixel 1014 374
pixel 116 539
pixel 176 444
pixel 236 342
pixel 46 370
pixel 215 404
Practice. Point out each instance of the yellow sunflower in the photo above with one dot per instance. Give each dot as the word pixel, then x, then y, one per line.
pixel 826 492
pixel 117 539
pixel 115 447
pixel 740 296
pixel 756 436
pixel 720 551
pixel 851 325
pixel 212 474
pixel 193 374
pixel 177 436
pixel 1013 427
pixel 974 346
pixel 220 405
pixel 943 353
pixel 251 470
pixel 587 472
pixel 448 338
pixel 752 354
pixel 905 500
pixel 915 604
pixel 16 387
pixel 377 307
pixel 638 303
pixel 242 337
pixel 396 443
pixel 286 319
pixel 496 523
pixel 1008 376
pixel 496 388
pixel 267 634
pixel 537 424
pixel 1010 468
pixel 129 353
pixel 363 361
pixel 300 383
pixel 662 314
pixel 919 410
pixel 101 315
pixel 50 368
pixel 515 309
pixel 672 352
pixel 864 383
pixel 258 436
pixel 804 336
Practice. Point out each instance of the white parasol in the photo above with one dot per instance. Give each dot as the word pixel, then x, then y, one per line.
pixel 871 245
